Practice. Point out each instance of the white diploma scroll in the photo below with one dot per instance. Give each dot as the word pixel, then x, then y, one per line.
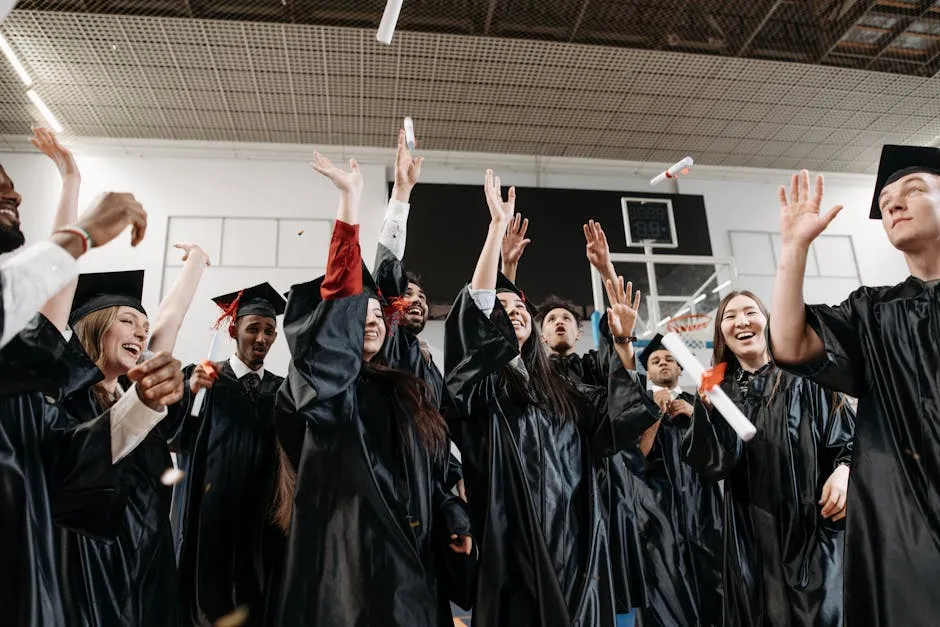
pixel 410 133
pixel 389 21
pixel 725 406
pixel 681 167
pixel 201 394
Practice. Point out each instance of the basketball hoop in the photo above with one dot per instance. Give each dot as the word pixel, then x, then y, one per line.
pixel 695 329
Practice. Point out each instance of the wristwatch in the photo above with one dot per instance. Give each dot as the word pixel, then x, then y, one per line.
pixel 624 339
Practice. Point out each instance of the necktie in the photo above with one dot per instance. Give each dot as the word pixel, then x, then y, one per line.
pixel 251 381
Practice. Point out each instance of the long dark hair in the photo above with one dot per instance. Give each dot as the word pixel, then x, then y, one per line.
pixel 414 396
pixel 545 388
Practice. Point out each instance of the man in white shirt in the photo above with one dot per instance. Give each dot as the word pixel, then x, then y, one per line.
pixel 32 277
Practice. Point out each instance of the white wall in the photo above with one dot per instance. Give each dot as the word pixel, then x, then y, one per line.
pixel 197 179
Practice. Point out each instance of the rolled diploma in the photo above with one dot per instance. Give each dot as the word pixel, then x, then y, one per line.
pixel 389 21
pixel 725 406
pixel 673 171
pixel 201 394
pixel 410 133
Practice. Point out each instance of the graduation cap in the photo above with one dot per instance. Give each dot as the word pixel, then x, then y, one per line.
pixel 899 161
pixel 99 290
pixel 504 285
pixel 258 300
pixel 656 344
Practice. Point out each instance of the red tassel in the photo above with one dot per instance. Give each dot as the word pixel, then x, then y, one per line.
pixel 229 311
pixel 713 377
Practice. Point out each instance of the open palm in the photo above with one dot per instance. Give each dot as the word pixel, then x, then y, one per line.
pixel 514 242
pixel 800 219
pixel 349 182
pixel 407 168
pixel 45 141
pixel 500 211
pixel 624 307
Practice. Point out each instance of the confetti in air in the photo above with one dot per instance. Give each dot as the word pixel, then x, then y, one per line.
pixel 299 233
pixel 172 476
pixel 236 618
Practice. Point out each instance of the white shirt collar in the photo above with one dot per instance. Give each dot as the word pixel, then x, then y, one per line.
pixel 241 368
pixel 676 391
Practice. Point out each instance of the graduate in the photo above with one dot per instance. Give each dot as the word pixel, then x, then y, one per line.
pixel 371 523
pixel 882 346
pixel 560 322
pixel 679 510
pixel 784 491
pixel 227 545
pixel 132 578
pixel 532 442
pixel 404 288
pixel 50 470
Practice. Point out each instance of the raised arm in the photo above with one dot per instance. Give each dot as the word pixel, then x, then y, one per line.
pixel 597 251
pixel 501 214
pixel 621 319
pixel 793 341
pixel 57 308
pixel 514 243
pixel 389 272
pixel 173 309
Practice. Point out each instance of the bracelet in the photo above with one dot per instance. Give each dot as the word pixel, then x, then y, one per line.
pixel 624 339
pixel 78 231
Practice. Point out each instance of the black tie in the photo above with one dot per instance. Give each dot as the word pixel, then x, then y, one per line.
pixel 251 381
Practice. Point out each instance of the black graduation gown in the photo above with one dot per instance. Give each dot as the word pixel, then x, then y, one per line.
pixel 371 520
pixel 782 560
pixel 531 481
pixel 49 470
pixel 617 483
pixel 679 513
pixel 228 549
pixel 129 580
pixel 883 347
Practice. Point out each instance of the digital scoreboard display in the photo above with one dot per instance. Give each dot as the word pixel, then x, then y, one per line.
pixel 649 222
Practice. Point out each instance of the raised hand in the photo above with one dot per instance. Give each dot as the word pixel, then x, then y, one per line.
pixel 348 182
pixel 112 213
pixel 500 211
pixel 194 251
pixel 624 307
pixel 800 219
pixel 407 169
pixel 514 242
pixel 597 249
pixel 45 141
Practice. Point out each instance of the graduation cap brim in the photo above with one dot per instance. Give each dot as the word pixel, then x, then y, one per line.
pixel 258 300
pixel 899 161
pixel 656 344
pixel 99 290
pixel 505 285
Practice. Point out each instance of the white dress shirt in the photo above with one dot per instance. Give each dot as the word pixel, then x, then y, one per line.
pixel 676 391
pixel 241 368
pixel 30 278
pixel 485 301
pixel 394 229
pixel 131 422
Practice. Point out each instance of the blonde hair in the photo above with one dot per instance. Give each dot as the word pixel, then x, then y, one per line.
pixel 90 331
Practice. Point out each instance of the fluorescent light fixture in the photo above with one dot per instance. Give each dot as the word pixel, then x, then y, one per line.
pixel 647 334
pixel 699 298
pixel 44 110
pixel 684 310
pixel 11 57
pixel 721 287
pixel 663 321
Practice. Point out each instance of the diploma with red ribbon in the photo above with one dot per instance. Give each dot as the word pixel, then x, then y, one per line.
pixel 709 380
pixel 201 394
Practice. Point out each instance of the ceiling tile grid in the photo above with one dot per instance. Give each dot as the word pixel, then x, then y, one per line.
pixel 110 75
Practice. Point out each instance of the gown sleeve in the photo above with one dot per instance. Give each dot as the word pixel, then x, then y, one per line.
pixel 839 427
pixel 710 445
pixel 476 344
pixel 624 408
pixel 843 367
pixel 179 428
pixel 324 325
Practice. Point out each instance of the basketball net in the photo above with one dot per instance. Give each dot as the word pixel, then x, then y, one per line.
pixel 695 329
